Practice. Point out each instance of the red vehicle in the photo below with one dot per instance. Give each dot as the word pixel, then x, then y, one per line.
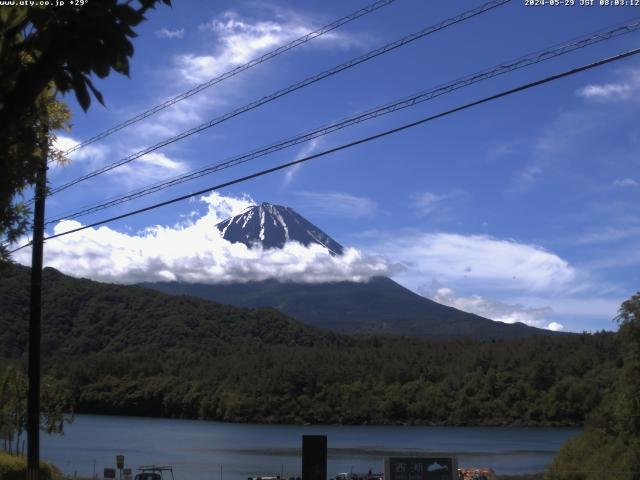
pixel 476 474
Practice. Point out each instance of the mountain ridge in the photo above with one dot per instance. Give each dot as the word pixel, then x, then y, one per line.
pixel 378 306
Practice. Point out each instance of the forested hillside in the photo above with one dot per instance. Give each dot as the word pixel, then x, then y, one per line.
pixel 81 316
pixel 378 306
pixel 127 350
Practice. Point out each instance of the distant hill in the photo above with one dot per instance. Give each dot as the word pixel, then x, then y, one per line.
pixel 379 306
pixel 82 316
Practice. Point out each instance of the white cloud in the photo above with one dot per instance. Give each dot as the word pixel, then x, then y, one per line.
pixel 195 252
pixel 626 182
pixel 549 150
pixel 623 89
pixel 222 207
pixel 487 261
pixel 503 149
pixel 581 128
pixel 336 204
pixel 239 42
pixel 578 307
pixel 606 91
pixel 92 154
pixel 494 310
pixel 157 159
pixel 608 234
pixel 230 41
pixel 427 202
pixel 555 326
pixel 308 149
pixel 173 120
pixel 170 34
pixel 149 168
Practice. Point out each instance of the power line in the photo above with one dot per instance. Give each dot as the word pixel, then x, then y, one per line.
pixel 291 88
pixel 385 133
pixel 521 62
pixel 230 73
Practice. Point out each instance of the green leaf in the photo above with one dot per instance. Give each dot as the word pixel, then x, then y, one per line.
pixel 80 89
pixel 95 91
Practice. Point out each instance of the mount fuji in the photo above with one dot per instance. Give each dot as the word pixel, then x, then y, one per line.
pixel 272 226
pixel 377 306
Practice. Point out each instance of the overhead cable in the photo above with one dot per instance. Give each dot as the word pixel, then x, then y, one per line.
pixel 234 71
pixel 291 88
pixel 385 133
pixel 521 62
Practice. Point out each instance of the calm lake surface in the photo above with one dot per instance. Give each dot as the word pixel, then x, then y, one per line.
pixel 197 449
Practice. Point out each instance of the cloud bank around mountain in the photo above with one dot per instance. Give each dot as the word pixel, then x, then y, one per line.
pixel 495 310
pixel 194 251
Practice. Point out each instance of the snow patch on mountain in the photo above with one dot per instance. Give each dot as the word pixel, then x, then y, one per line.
pixel 272 226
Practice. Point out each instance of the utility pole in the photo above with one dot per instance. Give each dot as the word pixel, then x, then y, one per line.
pixel 35 311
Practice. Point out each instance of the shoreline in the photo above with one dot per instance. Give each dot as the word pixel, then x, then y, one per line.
pixel 301 423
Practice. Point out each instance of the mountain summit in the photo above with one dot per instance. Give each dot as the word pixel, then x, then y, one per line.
pixel 272 226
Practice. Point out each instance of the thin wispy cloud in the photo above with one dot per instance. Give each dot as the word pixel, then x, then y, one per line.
pixel 627 86
pixel 334 204
pixel 238 41
pixel 548 150
pixel 582 129
pixel 90 156
pixel 309 148
pixel 495 310
pixel 611 220
pixel 231 40
pixel 626 182
pixel 426 203
pixel 503 149
pixel 578 307
pixel 170 34
pixel 151 167
pixel 607 91
pixel 609 234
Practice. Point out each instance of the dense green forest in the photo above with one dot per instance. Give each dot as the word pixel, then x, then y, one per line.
pixel 609 446
pixel 535 382
pixel 128 350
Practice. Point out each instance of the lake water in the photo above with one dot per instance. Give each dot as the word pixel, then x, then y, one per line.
pixel 201 450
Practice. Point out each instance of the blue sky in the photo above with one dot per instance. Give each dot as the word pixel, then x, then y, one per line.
pixel 523 209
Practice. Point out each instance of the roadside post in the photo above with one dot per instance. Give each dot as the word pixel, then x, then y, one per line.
pixel 314 457
pixel 421 468
pixel 120 464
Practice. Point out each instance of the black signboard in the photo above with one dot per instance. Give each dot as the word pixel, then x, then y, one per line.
pixel 421 468
pixel 109 473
